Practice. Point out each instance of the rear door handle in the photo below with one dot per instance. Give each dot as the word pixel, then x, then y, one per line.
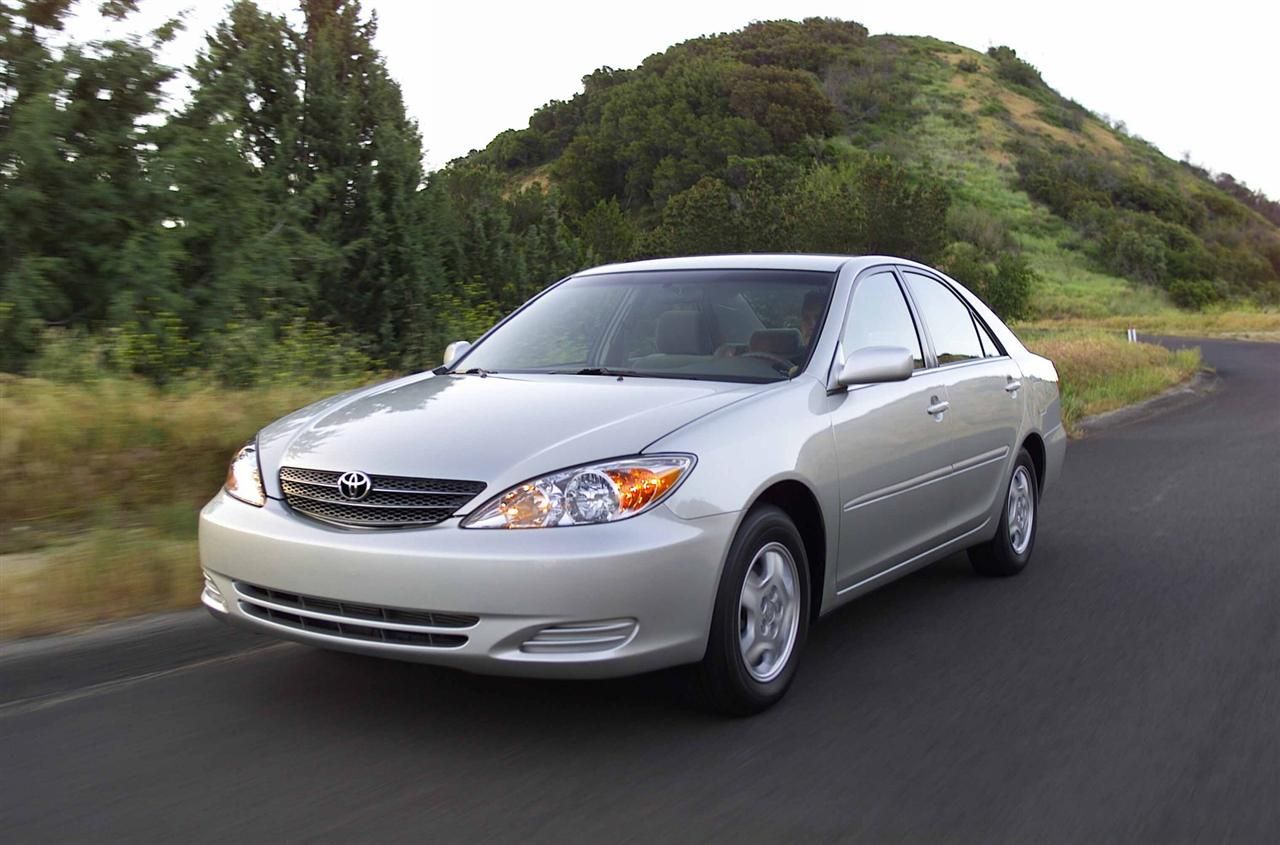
pixel 1012 386
pixel 937 407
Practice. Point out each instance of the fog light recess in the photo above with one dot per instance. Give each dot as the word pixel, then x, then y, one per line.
pixel 212 596
pixel 581 637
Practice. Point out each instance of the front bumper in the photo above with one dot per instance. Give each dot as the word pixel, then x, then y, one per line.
pixel 581 601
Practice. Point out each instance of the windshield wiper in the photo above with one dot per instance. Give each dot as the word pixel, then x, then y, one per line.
pixel 592 371
pixel 478 371
pixel 603 371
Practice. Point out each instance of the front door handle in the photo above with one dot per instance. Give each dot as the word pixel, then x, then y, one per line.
pixel 937 407
pixel 1012 386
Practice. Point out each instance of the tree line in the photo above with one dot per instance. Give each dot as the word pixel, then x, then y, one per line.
pixel 287 190
pixel 283 204
pixel 277 221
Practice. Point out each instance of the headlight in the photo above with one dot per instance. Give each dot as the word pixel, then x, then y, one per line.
pixel 244 481
pixel 585 495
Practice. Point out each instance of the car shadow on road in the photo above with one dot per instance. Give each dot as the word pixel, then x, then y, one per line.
pixel 345 689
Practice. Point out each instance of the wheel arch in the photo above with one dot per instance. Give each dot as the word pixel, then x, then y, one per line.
pixel 797 501
pixel 1034 444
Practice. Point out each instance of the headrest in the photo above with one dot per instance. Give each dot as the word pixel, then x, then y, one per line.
pixel 781 342
pixel 681 333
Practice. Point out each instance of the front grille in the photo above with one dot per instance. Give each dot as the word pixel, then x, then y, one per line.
pixel 354 621
pixel 393 501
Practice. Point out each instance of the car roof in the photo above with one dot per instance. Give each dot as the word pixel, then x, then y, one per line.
pixel 765 261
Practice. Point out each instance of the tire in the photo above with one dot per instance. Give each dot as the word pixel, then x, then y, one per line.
pixel 768 550
pixel 1009 551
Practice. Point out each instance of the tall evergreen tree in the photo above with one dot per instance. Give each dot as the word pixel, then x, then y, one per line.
pixel 235 165
pixel 363 158
pixel 77 206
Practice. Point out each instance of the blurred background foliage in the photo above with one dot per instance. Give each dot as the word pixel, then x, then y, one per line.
pixel 277 222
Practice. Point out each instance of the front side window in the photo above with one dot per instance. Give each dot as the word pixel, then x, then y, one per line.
pixel 948 319
pixel 734 325
pixel 879 316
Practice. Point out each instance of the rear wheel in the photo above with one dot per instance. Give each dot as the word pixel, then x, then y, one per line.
pixel 761 616
pixel 1010 550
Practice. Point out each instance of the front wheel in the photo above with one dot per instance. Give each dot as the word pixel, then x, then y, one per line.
pixel 761 616
pixel 1010 550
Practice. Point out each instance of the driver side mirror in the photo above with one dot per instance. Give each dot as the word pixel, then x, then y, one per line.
pixel 876 364
pixel 454 351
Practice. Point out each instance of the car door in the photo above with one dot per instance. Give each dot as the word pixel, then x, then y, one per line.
pixel 890 439
pixel 983 386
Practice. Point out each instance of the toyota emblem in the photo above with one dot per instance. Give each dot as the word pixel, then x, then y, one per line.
pixel 354 485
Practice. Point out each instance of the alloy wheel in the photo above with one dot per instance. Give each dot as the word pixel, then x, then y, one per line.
pixel 769 612
pixel 1021 509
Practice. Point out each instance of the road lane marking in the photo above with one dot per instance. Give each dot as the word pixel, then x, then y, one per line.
pixel 35 703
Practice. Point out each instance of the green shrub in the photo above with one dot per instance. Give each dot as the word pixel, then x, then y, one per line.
pixel 1004 283
pixel 244 353
pixel 968 65
pixel 1009 292
pixel 70 356
pixel 466 314
pixel 1193 296
pixel 1063 117
pixel 873 95
pixel 606 232
pixel 1134 254
pixel 993 108
pixel 1013 69
pixel 517 148
pixel 965 263
pixel 154 346
pixel 871 204
pixel 979 226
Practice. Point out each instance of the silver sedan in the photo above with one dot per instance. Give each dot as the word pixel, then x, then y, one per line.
pixel 680 461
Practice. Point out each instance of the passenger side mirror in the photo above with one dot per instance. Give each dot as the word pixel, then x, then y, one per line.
pixel 455 350
pixel 876 364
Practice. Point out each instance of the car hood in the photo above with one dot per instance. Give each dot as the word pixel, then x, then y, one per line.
pixel 499 429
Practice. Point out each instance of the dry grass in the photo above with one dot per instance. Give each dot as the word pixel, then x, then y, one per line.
pixel 1242 325
pixel 1100 372
pixel 102 574
pixel 68 452
pixel 100 485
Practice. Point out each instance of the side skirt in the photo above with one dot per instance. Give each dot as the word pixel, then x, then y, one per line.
pixel 911 564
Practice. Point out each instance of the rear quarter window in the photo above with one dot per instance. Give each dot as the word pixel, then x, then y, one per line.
pixel 947 318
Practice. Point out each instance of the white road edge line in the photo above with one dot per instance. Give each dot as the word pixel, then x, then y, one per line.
pixel 43 702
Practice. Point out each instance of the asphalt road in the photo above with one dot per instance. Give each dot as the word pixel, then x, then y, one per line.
pixel 1125 688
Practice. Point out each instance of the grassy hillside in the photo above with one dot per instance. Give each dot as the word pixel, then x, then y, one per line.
pixel 1108 224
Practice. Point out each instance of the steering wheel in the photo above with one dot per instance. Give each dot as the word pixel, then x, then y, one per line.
pixel 777 360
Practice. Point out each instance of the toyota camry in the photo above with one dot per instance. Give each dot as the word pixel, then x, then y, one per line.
pixel 668 462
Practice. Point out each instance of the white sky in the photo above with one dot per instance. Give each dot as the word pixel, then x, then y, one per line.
pixel 1201 79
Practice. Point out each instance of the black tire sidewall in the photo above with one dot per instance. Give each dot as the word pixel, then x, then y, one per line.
pixel 996 557
pixel 733 688
pixel 1012 559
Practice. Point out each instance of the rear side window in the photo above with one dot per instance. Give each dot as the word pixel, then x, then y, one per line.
pixel 989 346
pixel 955 338
pixel 878 316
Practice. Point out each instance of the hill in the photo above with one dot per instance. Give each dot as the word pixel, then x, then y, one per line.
pixel 816 136
pixel 277 223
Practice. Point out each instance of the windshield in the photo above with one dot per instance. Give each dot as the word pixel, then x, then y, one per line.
pixel 728 325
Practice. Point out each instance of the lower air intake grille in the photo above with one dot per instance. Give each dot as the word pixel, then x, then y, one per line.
pixel 354 621
pixel 391 502
pixel 577 637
